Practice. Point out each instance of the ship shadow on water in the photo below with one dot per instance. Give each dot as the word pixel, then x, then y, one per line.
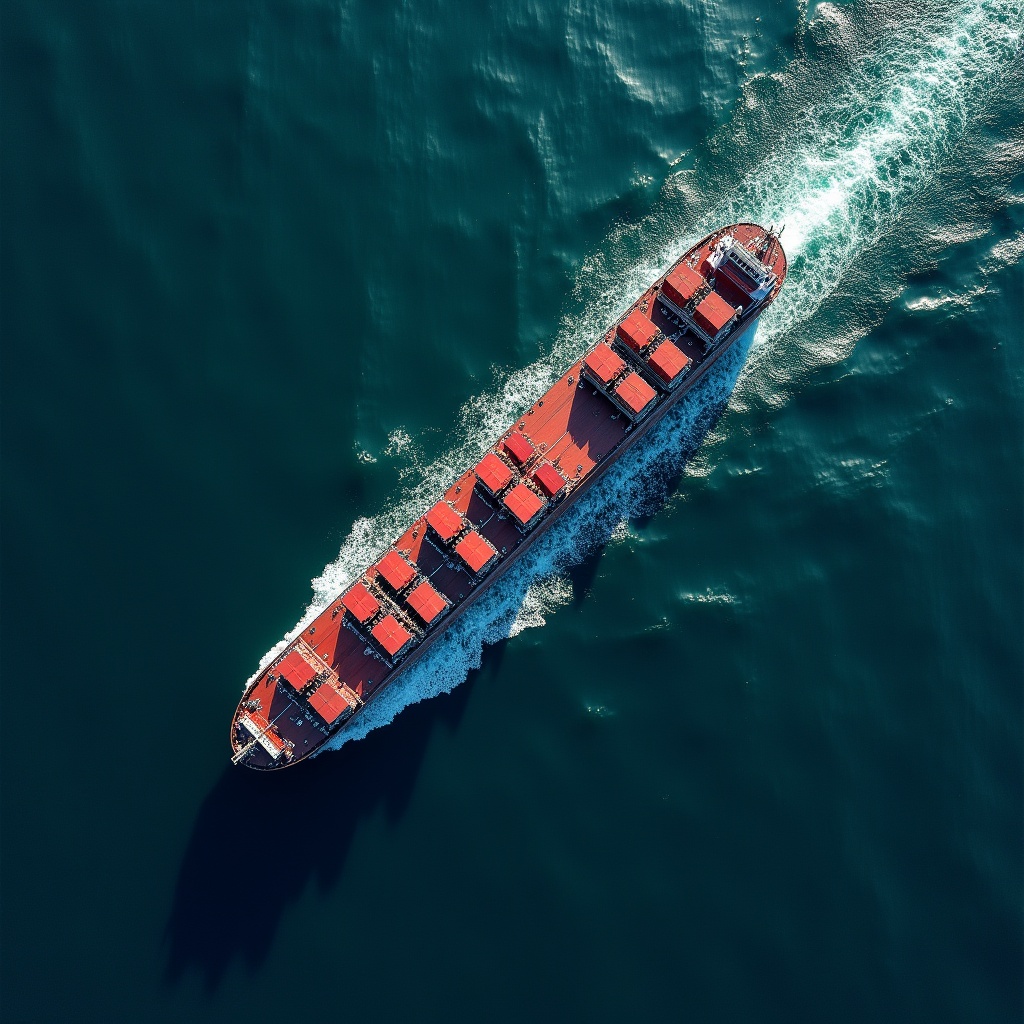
pixel 212 922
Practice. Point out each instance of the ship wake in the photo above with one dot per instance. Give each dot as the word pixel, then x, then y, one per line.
pixel 847 172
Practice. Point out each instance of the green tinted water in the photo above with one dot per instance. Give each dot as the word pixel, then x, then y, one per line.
pixel 744 740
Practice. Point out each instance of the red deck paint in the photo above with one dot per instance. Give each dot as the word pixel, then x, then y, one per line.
pixel 518 447
pixel 494 474
pixel 444 521
pixel 476 551
pixel 396 570
pixel 523 503
pixel 361 603
pixel 667 361
pixel 604 364
pixel 426 602
pixel 637 331
pixel 548 479
pixel 636 393
pixel 391 634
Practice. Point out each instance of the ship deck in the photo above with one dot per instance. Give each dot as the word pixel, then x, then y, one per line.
pixel 573 426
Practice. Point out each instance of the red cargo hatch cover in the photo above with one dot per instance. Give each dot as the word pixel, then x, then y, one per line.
pixel 295 670
pixel 682 284
pixel 635 392
pixel 604 364
pixel 493 473
pixel 328 703
pixel 426 602
pixel 391 634
pixel 361 603
pixel 637 331
pixel 713 313
pixel 396 570
pixel 667 361
pixel 548 479
pixel 444 521
pixel 475 551
pixel 518 447
pixel 523 503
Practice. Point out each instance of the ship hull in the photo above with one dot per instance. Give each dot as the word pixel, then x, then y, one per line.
pixel 598 441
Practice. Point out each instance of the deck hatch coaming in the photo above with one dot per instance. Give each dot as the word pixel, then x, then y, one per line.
pixel 668 362
pixel 445 521
pixel 395 571
pixel 603 365
pixel 524 504
pixel 494 474
pixel 360 603
pixel 548 479
pixel 476 551
pixel 393 637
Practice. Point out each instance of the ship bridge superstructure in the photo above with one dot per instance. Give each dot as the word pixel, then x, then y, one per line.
pixel 744 268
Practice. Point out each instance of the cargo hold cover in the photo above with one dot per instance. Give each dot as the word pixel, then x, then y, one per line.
pixel 295 670
pixel 637 331
pixel 396 570
pixel 636 393
pixel 328 703
pixel 518 447
pixel 548 479
pixel 426 602
pixel 604 364
pixel 713 313
pixel 493 473
pixel 444 521
pixel 391 635
pixel 668 361
pixel 361 603
pixel 682 284
pixel 476 551
pixel 523 503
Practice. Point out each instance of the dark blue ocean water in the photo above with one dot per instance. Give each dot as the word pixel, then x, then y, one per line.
pixel 742 743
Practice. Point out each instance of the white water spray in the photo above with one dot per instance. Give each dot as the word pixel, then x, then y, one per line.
pixel 849 170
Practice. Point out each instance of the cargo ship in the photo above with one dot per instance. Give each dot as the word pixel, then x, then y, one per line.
pixel 387 620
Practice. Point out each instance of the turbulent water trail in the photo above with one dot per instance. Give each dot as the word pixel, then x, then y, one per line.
pixel 850 167
pixel 873 148
pixel 854 161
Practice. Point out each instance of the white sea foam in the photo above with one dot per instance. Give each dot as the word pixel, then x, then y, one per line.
pixel 709 596
pixel 847 173
pixel 877 145
pixel 853 162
